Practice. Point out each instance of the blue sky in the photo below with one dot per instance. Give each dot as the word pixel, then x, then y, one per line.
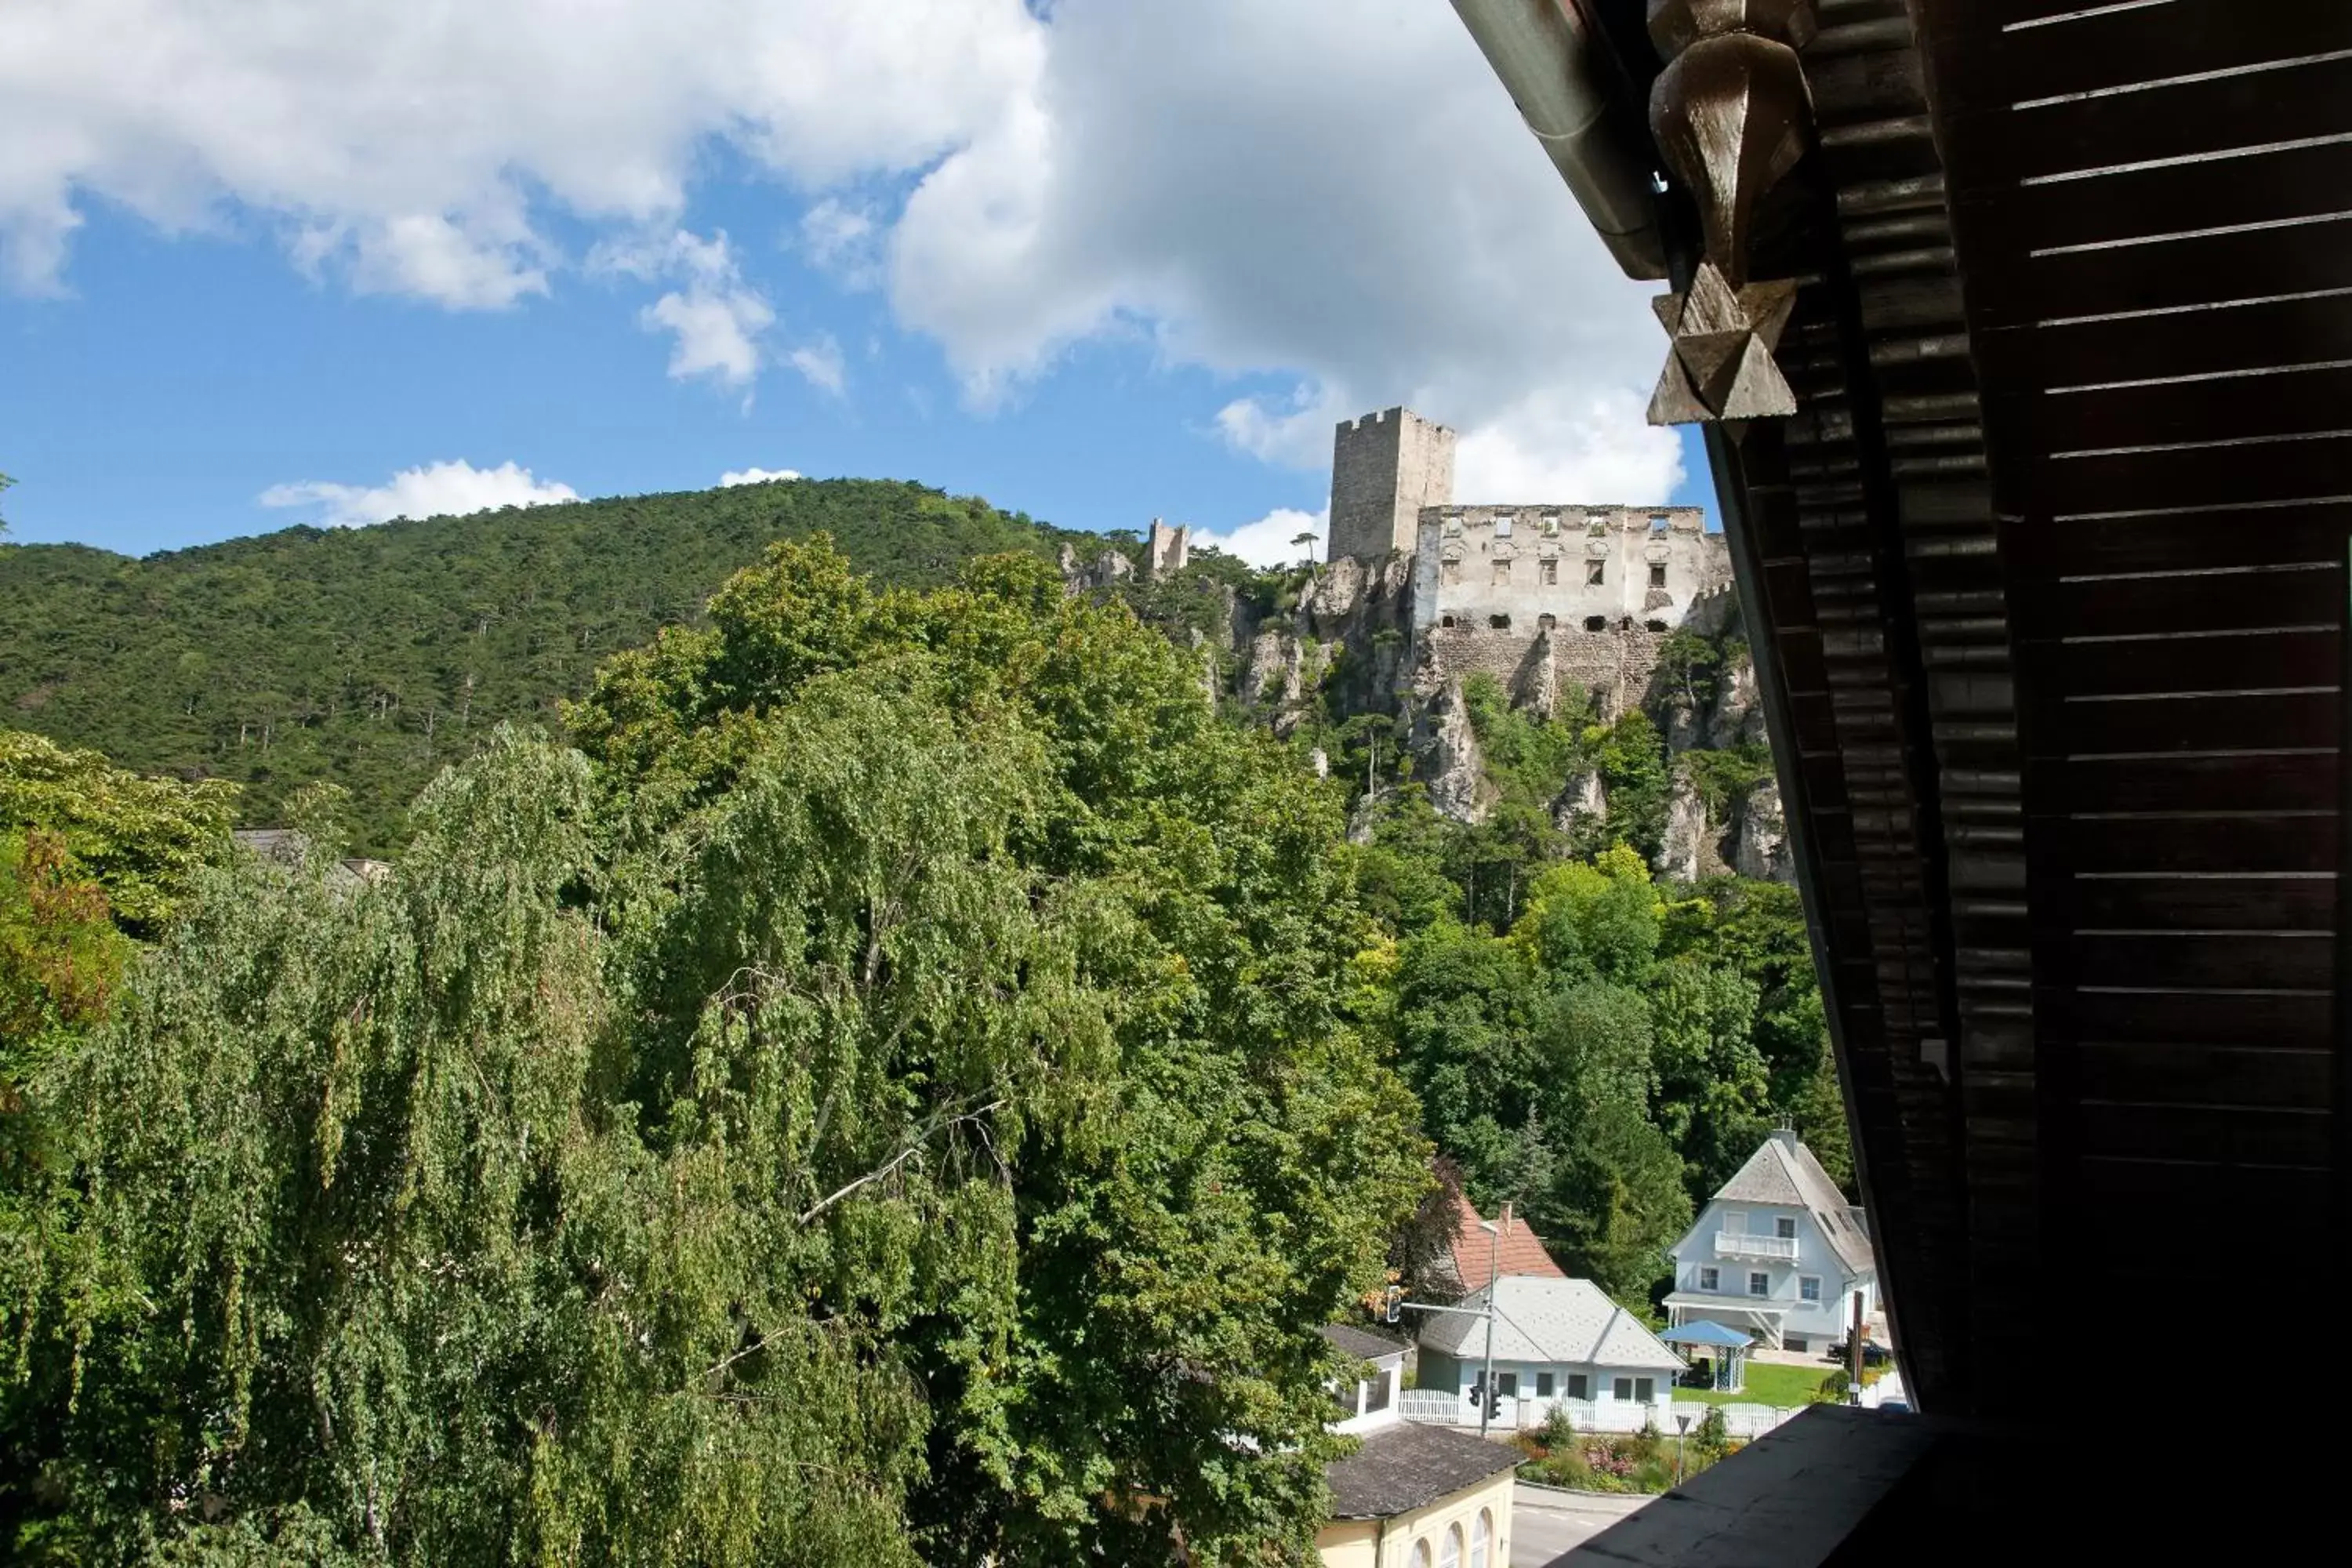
pixel 1099 275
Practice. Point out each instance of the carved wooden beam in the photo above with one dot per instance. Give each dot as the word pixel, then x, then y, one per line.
pixel 1731 114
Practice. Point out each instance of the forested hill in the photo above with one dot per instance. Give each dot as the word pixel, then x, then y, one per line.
pixel 372 656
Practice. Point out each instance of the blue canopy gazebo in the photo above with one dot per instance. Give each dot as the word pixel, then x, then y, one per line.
pixel 1730 1344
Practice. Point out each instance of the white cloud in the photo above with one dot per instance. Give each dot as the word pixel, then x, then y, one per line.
pixel 1337 190
pixel 717 332
pixel 423 150
pixel 1335 194
pixel 756 475
pixel 1268 541
pixel 716 317
pixel 436 489
pixel 821 362
pixel 844 240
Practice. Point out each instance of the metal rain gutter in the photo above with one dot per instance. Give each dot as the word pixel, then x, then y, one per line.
pixel 1557 72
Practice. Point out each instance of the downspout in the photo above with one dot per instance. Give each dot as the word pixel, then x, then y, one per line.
pixel 1556 70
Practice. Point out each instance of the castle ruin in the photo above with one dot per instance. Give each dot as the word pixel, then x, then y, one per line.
pixel 1536 595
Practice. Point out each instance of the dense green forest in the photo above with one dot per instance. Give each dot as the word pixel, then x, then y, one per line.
pixel 372 656
pixel 892 1072
pixel 889 1094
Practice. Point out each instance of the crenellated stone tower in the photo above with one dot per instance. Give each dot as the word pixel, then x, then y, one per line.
pixel 1385 468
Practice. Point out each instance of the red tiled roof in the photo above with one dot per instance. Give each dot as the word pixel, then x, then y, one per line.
pixel 1521 1251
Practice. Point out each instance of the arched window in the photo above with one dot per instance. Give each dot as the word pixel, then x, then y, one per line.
pixel 1482 1539
pixel 1421 1554
pixel 1451 1556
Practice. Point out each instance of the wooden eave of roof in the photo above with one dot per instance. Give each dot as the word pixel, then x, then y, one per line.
pixel 2046 584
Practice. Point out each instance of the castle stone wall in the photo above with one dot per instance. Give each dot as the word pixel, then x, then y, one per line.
pixel 1599 588
pixel 1612 666
pixel 1588 568
pixel 1385 468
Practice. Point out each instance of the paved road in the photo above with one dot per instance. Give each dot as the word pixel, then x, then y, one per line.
pixel 1544 1525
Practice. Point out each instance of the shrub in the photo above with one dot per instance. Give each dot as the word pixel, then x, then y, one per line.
pixel 1566 1467
pixel 1557 1431
pixel 1712 1436
pixel 1833 1389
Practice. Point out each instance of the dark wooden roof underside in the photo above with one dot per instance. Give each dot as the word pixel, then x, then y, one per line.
pixel 2048 582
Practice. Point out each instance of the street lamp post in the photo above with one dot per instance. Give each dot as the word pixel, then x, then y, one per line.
pixel 1494 1266
pixel 1494 1262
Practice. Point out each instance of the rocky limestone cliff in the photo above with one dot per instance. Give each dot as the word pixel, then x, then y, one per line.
pixel 1450 762
pixel 1343 644
pixel 1685 856
pixel 1759 844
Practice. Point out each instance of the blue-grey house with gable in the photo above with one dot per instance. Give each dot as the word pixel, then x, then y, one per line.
pixel 1778 1253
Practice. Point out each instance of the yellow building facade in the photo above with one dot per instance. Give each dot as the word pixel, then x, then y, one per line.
pixel 1467 1528
pixel 1413 1496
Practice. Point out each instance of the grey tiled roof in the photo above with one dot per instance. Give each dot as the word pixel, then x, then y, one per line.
pixel 1361 1344
pixel 1783 1171
pixel 1409 1465
pixel 1556 1321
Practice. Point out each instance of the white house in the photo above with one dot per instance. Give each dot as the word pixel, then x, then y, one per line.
pixel 1555 1338
pixel 1778 1253
pixel 1371 1402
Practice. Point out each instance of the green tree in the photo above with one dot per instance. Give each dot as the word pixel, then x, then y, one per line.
pixel 140 839
pixel 1631 758
pixel 899 1099
pixel 1713 1096
pixel 1596 919
pixel 373 658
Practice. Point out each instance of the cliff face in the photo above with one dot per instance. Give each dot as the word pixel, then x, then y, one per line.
pixel 1341 643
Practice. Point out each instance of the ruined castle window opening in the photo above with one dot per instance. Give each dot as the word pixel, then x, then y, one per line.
pixel 1547 622
pixel 1500 623
pixel 1597 525
pixel 1657 573
pixel 1550 572
pixel 1449 572
pixel 1445 620
pixel 1658 523
pixel 1596 572
pixel 1596 622
pixel 1551 522
pixel 1502 574
pixel 1503 526
pixel 1653 626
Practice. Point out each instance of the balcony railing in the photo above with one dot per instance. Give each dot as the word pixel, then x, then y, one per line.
pixel 1736 1244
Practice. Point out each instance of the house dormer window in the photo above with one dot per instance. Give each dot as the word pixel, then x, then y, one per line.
pixel 1785 1227
pixel 1710 1278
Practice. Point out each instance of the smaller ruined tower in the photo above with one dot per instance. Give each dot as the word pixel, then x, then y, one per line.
pixel 1385 468
pixel 1165 548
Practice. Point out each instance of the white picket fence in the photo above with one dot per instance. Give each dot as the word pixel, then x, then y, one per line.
pixel 1440 1407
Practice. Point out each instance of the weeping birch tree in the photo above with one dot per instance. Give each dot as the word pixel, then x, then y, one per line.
pixel 886 1102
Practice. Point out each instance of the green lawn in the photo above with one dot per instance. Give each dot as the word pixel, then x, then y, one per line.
pixel 1766 1384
